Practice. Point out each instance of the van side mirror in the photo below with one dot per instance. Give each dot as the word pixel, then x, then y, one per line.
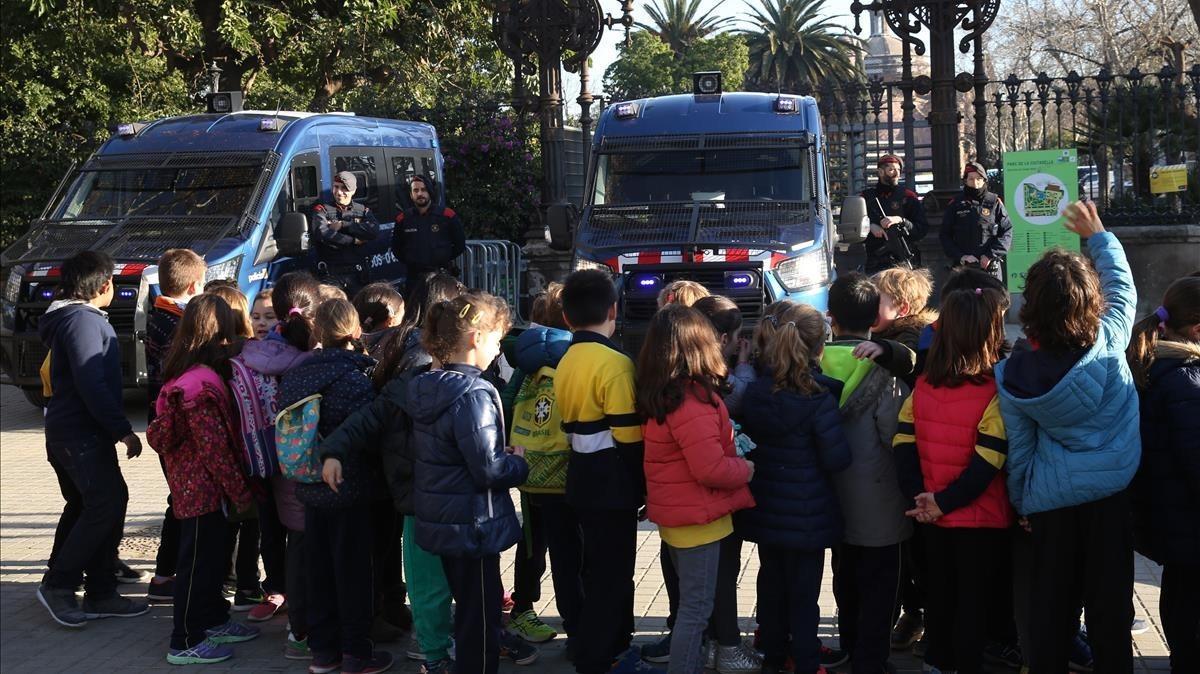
pixel 560 219
pixel 853 225
pixel 291 235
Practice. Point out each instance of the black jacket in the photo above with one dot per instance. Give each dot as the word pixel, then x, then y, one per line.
pixel 1166 490
pixel 338 247
pixel 429 241
pixel 463 474
pixel 85 375
pixel 978 227
pixel 339 375
pixel 883 253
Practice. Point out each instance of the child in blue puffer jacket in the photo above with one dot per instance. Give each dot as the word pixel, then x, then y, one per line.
pixel 464 471
pixel 1071 412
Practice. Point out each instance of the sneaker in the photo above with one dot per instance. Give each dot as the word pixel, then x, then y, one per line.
pixel 631 662
pixel 709 650
pixel 324 663
pixel 1139 626
pixel 161 590
pixel 232 633
pixel 517 649
pixel 736 660
pixel 273 604
pixel 380 661
pixel 443 666
pixel 62 605
pixel 530 627
pixel 1003 654
pixel 384 632
pixel 1081 654
pixel 115 606
pixel 919 648
pixel 909 628
pixel 831 658
pixel 204 653
pixel 245 601
pixel 296 649
pixel 659 651
pixel 414 650
pixel 127 575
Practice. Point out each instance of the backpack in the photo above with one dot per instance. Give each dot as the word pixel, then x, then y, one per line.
pixel 254 394
pixel 296 440
pixel 537 426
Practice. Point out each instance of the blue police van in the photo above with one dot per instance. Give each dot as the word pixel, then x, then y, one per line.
pixel 728 189
pixel 235 186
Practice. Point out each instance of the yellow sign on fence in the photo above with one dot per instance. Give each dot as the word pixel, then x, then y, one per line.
pixel 1168 179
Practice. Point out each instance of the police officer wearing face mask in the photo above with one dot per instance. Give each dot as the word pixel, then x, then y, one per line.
pixel 426 237
pixel 339 231
pixel 897 220
pixel 975 227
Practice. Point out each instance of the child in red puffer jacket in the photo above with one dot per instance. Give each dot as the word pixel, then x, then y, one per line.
pixel 694 478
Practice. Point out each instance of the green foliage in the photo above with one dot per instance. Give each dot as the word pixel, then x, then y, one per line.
pixel 676 23
pixel 793 47
pixel 648 67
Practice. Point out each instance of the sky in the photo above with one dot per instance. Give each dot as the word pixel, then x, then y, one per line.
pixel 606 53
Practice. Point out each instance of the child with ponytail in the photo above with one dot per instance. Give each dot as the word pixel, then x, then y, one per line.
pixel 797 515
pixel 1164 356
pixel 951 448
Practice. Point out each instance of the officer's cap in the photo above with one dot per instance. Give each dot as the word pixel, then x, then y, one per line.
pixel 891 159
pixel 346 178
pixel 974 167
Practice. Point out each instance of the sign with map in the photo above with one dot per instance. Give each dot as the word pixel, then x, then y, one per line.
pixel 1038 186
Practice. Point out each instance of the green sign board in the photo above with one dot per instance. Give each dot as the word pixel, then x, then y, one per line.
pixel 1038 186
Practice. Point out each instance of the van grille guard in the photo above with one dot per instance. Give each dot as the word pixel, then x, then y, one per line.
pixel 137 238
pixel 775 225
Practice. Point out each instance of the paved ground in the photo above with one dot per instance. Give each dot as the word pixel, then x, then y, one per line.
pixel 31 642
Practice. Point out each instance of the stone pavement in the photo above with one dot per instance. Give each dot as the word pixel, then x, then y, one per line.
pixel 30 642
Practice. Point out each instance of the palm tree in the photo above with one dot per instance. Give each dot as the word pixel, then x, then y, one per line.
pixel 793 47
pixel 676 23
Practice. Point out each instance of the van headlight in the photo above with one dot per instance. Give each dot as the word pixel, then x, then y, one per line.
pixel 581 263
pixel 224 270
pixel 804 271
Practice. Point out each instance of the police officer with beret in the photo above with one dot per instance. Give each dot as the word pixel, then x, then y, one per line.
pixel 427 238
pixel 897 220
pixel 339 231
pixel 975 227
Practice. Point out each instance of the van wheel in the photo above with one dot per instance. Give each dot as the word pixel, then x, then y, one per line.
pixel 35 397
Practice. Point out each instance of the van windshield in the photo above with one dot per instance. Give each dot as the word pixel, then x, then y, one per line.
pixel 757 174
pixel 118 193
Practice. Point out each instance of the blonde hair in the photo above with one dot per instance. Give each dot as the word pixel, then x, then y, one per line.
pixel 765 330
pixel 236 301
pixel 906 286
pixel 178 268
pixel 449 321
pixel 328 291
pixel 796 344
pixel 334 323
pixel 681 292
pixel 547 307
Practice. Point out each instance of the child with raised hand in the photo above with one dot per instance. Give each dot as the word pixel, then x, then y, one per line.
pixel 797 516
pixel 464 471
pixel 262 315
pixel 1070 411
pixel 950 449
pixel 1165 358
pixel 195 432
pixel 694 478
pixel 337 519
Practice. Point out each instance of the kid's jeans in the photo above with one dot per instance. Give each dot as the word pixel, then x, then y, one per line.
pixel 789 585
pixel 199 574
pixel 337 546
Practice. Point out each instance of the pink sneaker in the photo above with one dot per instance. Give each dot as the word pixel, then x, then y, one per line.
pixel 274 603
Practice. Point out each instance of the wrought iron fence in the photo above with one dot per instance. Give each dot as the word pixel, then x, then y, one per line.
pixel 1122 125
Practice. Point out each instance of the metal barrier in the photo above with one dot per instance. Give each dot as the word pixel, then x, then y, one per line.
pixel 495 266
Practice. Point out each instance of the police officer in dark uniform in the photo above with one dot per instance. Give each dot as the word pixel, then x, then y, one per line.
pixel 897 220
pixel 975 228
pixel 427 238
pixel 339 231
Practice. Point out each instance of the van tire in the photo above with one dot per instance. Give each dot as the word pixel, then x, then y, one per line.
pixel 35 397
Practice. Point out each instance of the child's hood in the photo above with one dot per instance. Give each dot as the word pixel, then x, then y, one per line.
pixel 271 357
pixel 323 367
pixel 1075 398
pixel 540 347
pixel 838 362
pixel 65 312
pixel 434 392
pixel 1185 351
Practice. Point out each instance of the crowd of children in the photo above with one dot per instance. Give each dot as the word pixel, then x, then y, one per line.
pixel 985 495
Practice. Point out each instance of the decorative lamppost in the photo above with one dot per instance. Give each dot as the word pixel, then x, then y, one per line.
pixel 542 37
pixel 942 17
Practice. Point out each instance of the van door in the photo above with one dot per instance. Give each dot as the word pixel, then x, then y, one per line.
pixel 299 193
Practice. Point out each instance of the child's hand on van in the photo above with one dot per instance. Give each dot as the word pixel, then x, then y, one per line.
pixel 133 446
pixel 516 450
pixel 1083 219
pixel 868 351
pixel 331 473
